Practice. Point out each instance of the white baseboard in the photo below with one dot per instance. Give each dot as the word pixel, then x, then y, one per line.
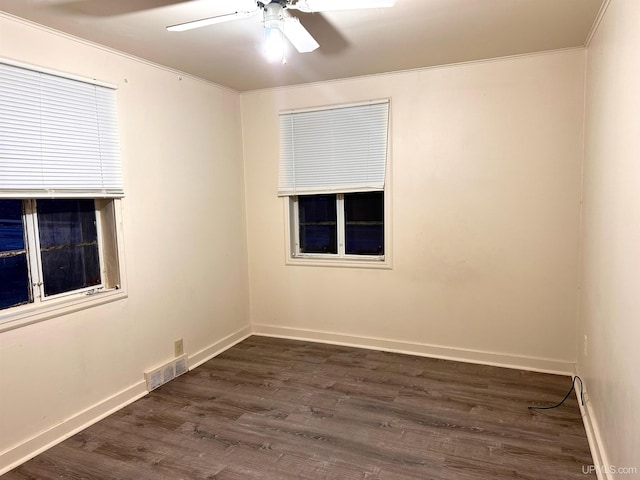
pixel 596 445
pixel 217 348
pixel 545 365
pixel 28 449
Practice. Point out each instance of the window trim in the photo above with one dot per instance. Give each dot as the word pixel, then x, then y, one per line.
pixel 70 302
pixel 291 220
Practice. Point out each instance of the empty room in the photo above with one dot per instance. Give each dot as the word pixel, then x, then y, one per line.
pixel 357 239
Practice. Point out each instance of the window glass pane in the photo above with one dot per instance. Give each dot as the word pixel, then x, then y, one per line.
pixel 70 268
pixel 68 245
pixel 11 229
pixel 63 222
pixel 14 270
pixel 364 223
pixel 318 224
pixel 14 288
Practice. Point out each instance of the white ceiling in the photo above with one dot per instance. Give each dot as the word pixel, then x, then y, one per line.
pixel 412 34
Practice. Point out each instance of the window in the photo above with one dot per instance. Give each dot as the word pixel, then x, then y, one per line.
pixel 343 225
pixel 332 170
pixel 364 223
pixel 67 233
pixel 52 248
pixel 60 188
pixel 14 271
pixel 317 224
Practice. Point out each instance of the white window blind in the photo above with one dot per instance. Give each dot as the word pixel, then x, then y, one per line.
pixel 334 150
pixel 58 137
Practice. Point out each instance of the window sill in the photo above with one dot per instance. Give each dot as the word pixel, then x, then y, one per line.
pixel 317 261
pixel 30 314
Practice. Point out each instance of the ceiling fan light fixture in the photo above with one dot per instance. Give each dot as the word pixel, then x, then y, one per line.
pixel 274 44
pixel 274 32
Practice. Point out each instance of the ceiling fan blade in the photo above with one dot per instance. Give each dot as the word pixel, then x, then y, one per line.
pixel 310 6
pixel 100 8
pixel 298 35
pixel 181 27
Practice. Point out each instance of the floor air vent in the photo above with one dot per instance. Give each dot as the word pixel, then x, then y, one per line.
pixel 164 373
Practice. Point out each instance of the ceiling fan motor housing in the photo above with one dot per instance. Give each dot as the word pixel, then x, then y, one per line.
pixel 264 3
pixel 273 15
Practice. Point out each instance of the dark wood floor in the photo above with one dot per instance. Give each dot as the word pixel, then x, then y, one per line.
pixel 279 409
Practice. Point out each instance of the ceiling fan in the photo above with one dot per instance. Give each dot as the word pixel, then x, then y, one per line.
pixel 278 25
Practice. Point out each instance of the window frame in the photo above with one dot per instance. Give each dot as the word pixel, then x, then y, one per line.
pixel 293 256
pixel 112 271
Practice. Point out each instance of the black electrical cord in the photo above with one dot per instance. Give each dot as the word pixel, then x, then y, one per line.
pixel 573 383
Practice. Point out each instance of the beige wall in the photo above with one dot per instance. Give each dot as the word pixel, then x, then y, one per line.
pixel 485 186
pixel 610 306
pixel 185 247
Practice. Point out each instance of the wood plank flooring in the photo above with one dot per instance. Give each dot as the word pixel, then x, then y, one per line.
pixel 281 409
